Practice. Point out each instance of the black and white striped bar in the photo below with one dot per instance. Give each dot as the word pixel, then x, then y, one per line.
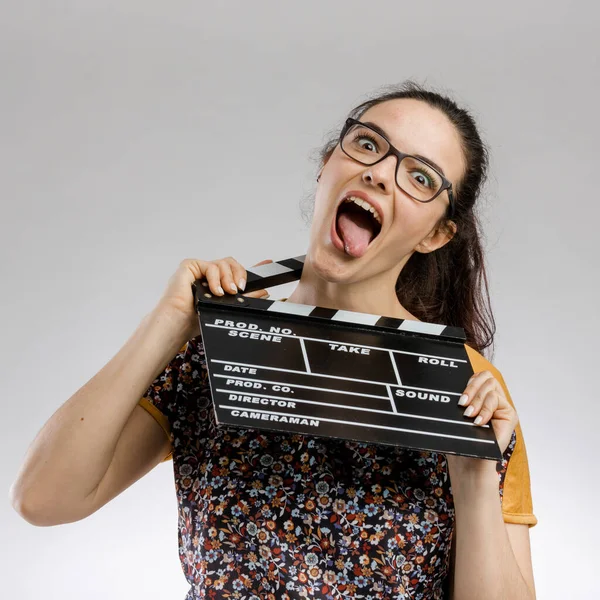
pixel 275 273
pixel 316 371
pixel 285 271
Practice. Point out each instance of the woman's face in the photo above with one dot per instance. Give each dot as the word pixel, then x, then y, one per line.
pixel 407 225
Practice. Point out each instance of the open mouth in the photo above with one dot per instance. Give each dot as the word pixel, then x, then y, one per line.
pixel 357 224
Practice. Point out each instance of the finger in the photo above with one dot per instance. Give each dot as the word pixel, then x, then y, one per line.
pixel 196 266
pixel 473 386
pixel 477 396
pixel 488 408
pixel 241 279
pixel 227 277
pixel 238 273
pixel 213 276
pixel 257 294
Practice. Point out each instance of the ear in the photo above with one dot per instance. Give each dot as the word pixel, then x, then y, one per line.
pixel 439 236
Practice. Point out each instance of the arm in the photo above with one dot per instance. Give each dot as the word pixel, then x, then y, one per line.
pixel 99 442
pixel 491 559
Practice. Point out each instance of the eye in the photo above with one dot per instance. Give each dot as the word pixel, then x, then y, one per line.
pixel 366 142
pixel 422 178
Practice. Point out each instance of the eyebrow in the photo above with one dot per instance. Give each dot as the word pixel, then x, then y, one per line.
pixel 385 135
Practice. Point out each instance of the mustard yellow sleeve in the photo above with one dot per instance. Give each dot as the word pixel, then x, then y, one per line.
pixel 160 396
pixel 160 418
pixel 517 503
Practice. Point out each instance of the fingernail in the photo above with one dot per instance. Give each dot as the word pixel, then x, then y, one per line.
pixel 220 290
pixel 478 419
pixel 463 400
pixel 469 411
pixel 242 284
pixel 233 288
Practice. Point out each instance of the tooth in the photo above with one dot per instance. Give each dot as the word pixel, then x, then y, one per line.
pixel 364 204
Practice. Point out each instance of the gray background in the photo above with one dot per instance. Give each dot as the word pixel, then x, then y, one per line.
pixel 136 134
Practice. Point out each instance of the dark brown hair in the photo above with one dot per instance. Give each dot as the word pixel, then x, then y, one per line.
pixel 449 285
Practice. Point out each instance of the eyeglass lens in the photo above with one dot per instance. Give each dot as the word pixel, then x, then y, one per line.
pixel 414 176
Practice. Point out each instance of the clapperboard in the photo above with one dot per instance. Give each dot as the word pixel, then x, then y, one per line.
pixel 282 366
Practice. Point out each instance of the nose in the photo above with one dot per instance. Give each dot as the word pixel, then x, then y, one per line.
pixel 383 174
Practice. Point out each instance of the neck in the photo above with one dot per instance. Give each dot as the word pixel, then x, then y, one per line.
pixel 375 295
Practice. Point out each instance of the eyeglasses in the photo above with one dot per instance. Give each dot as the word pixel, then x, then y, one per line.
pixel 414 176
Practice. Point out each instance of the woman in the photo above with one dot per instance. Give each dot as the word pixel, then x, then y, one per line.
pixel 272 515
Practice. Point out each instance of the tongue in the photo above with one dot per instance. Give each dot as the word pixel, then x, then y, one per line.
pixel 356 231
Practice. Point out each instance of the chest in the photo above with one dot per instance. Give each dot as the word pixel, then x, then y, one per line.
pixel 293 485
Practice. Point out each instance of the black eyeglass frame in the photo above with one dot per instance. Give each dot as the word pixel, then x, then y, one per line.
pixel 446 185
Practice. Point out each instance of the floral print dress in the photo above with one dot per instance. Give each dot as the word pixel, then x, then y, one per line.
pixel 277 515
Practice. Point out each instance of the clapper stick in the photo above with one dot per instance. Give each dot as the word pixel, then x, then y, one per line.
pixel 312 370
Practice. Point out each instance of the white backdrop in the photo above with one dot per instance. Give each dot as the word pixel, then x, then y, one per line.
pixel 138 133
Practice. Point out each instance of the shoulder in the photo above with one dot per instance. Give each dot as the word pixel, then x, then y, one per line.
pixel 478 361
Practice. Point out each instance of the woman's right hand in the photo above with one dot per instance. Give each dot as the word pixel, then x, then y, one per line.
pixel 224 276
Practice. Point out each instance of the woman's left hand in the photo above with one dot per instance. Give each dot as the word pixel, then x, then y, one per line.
pixel 486 402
